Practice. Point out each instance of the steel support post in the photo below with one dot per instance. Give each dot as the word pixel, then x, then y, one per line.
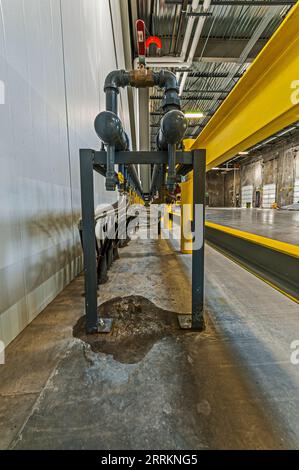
pixel 199 175
pixel 88 240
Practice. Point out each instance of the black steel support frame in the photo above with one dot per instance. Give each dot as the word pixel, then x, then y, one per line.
pixel 199 177
pixel 89 162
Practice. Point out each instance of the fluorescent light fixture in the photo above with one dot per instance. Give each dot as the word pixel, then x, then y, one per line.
pixel 243 153
pixel 194 115
pixel 217 168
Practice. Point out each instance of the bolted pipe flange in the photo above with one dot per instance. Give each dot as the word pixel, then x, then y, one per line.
pixel 171 101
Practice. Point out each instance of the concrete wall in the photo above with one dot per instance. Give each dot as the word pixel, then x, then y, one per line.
pixel 278 165
pixel 232 187
pixel 215 188
pixel 54 56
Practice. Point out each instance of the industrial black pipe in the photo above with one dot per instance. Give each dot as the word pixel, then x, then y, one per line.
pixel 173 125
pixel 142 78
pixel 109 127
pixel 135 178
pixel 172 129
pixel 114 80
pixel 171 173
pixel 168 81
pixel 156 172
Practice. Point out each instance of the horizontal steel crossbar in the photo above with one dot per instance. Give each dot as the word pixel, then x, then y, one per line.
pixel 143 158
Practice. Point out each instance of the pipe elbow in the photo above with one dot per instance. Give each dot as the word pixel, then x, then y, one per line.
pixel 168 80
pixel 109 129
pixel 116 79
pixel 174 125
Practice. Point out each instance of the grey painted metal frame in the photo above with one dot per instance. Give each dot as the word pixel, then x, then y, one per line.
pixel 199 177
pixel 143 157
pixel 91 160
pixel 88 239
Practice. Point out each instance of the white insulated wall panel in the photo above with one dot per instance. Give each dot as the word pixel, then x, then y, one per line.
pixel 54 56
pixel 296 192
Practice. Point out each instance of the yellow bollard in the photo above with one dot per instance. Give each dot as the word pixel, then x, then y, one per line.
pixel 168 218
pixel 186 212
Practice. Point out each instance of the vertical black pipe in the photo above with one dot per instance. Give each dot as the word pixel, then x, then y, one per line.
pixel 171 177
pixel 155 175
pixel 199 176
pixel 110 173
pixel 111 100
pixel 88 240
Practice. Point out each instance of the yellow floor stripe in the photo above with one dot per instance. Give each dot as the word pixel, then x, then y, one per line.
pixel 283 247
pixel 255 274
pixel 286 248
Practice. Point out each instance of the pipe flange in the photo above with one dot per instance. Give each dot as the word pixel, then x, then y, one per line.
pixel 172 100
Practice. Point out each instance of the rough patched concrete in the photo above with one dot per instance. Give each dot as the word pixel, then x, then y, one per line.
pixel 137 325
pixel 165 401
pixel 220 389
pixel 32 357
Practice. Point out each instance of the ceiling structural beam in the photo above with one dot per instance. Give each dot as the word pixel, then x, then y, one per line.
pixel 264 22
pixel 179 30
pixel 250 3
pixel 193 98
pixel 197 14
pixel 228 49
pixel 263 101
pixel 207 90
pixel 212 75
pixel 207 113
pixel 221 60
pixel 189 125
pixel 198 31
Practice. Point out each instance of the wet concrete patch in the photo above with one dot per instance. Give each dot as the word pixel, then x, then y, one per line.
pixel 138 325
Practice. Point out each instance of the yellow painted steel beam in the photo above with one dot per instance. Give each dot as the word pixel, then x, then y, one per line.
pixel 186 214
pixel 264 101
pixel 188 143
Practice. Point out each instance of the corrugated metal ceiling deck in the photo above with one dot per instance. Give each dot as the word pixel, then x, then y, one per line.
pixel 228 29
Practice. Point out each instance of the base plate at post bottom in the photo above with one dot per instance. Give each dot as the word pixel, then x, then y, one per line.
pixel 185 322
pixel 105 325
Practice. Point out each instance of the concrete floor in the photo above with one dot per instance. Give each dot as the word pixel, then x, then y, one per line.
pixel 231 387
pixel 279 225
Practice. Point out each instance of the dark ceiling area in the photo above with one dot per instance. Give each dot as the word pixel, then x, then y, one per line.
pixel 232 34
